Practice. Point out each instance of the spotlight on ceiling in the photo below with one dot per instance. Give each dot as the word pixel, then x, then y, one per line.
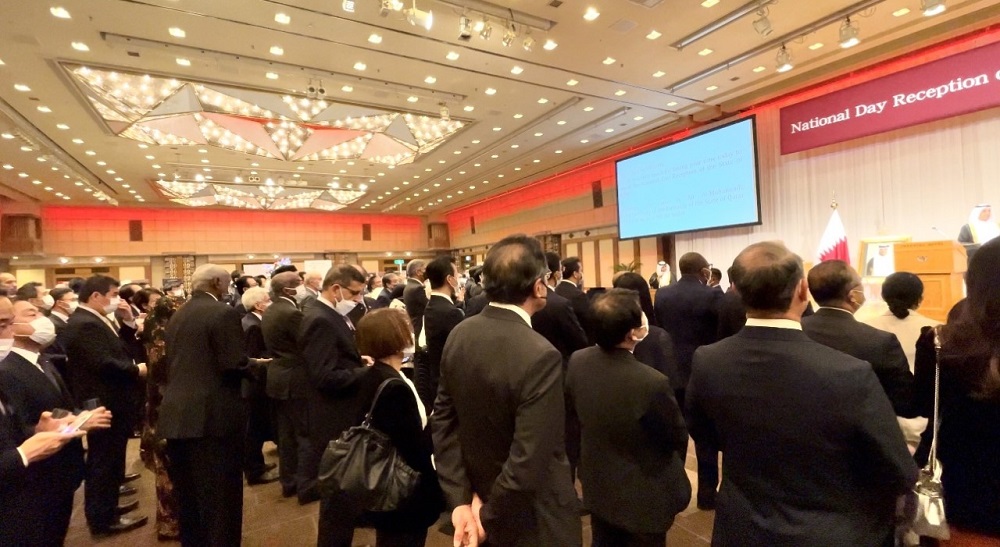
pixel 849 34
pixel 529 43
pixel 418 17
pixel 388 6
pixel 445 113
pixel 487 30
pixel 464 29
pixel 762 24
pixel 932 7
pixel 784 60
pixel 508 35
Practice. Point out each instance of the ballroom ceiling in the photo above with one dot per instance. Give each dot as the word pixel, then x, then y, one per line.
pixel 345 105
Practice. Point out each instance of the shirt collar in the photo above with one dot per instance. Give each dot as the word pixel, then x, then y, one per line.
pixel 95 312
pixel 837 309
pixel 210 294
pixel 257 314
pixel 516 309
pixel 570 282
pixel 327 302
pixel 774 323
pixel 442 295
pixel 288 299
pixel 29 355
pixel 60 315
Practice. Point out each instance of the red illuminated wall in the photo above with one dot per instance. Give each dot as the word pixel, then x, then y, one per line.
pixel 104 231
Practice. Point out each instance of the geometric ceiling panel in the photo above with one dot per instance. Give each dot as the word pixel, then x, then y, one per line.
pixel 268 195
pixel 169 111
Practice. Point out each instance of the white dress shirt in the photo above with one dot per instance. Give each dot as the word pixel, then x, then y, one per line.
pixel 774 323
pixel 29 356
pixel 514 308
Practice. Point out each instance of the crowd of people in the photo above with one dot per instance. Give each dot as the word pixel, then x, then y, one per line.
pixel 510 384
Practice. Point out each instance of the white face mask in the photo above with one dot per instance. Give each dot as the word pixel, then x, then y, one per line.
pixel 73 305
pixel 5 345
pixel 645 329
pixel 112 305
pixel 48 302
pixel 45 331
pixel 179 293
pixel 345 306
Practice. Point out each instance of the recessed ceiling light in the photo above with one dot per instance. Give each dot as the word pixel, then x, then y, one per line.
pixel 150 157
pixel 62 126
pixel 498 129
pixel 118 179
pixel 44 109
pixel 542 100
pixel 588 109
pixel 8 166
pixel 271 76
pixel 901 12
pixel 26 148
pixel 204 160
pixel 7 136
pixel 347 89
pixel 659 74
pixel 177 32
pixel 672 103
pixel 711 88
pixel 360 66
pixel 430 80
pixel 111 172
pixel 705 52
pixel 183 62
pixel 143 145
pixel 477 141
pixel 22 88
pixel 374 38
pixel 584 141
pixel 412 99
pixel 653 35
pixel 469 108
pixel 609 60
pixel 709 3
pixel 572 82
pixel 620 92
pixel 536 161
pixel 495 156
pixel 490 91
pixel 451 56
pixel 102 163
pixel 591 14
pixel 282 18
pixel 80 46
pixel 609 130
pixel 816 46
pixel 539 134
pixel 558 151
pixel 77 141
pixel 23 175
pixel 205 151
pixel 638 118
pixel 561 122
pixel 277 50
pixel 760 68
pixel 518 116
pixel 515 70
pixel 550 45
pixel 60 12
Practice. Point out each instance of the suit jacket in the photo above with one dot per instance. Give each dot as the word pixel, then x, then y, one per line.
pixel 17 482
pixel 581 306
pixel 361 309
pixel 823 465
pixel 476 304
pixel 286 374
pixel 334 366
pixel 498 431
pixel 657 351
pixel 100 366
pixel 558 323
pixel 841 331
pixel 440 317
pixel 688 311
pixel 204 347
pixel 415 299
pixel 56 352
pixel 634 440
pixel 255 348
pixel 732 315
pixel 384 299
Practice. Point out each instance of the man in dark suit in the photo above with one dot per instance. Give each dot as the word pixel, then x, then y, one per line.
pixel 64 303
pixel 389 282
pixel 256 300
pixel 688 311
pixel 634 436
pixel 498 418
pixel 837 289
pixel 101 368
pixel 201 416
pixel 414 296
pixel 732 313
pixel 288 387
pixel 570 287
pixel 33 387
pixel 440 317
pixel 477 304
pixel 795 472
pixel 326 337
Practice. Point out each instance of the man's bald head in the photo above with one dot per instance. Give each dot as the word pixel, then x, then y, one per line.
pixel 286 280
pixel 831 282
pixel 692 263
pixel 212 279
pixel 770 278
pixel 6 317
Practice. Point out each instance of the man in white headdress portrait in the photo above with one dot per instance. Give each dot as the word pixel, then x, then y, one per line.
pixel 981 227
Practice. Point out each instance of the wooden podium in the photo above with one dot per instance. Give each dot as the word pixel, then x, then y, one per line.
pixel 941 265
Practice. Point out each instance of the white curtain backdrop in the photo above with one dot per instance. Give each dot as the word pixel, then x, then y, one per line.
pixel 906 182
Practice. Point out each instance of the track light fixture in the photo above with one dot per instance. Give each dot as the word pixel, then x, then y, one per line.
pixel 529 43
pixel 932 7
pixel 762 24
pixel 849 34
pixel 445 113
pixel 385 8
pixel 509 34
pixel 464 28
pixel 418 17
pixel 487 30
pixel 784 60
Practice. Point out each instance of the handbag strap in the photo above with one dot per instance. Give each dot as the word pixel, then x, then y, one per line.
pixel 378 393
pixel 932 460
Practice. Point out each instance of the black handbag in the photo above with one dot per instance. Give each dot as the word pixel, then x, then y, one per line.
pixel 364 467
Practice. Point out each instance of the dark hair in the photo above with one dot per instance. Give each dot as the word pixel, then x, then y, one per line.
pixel 439 269
pixel 387 279
pixel 476 274
pixel 28 291
pixel 902 291
pixel 58 293
pixel 343 275
pixel 383 333
pixel 733 279
pixel 397 291
pixel 261 279
pixel 76 284
pixel 285 268
pixel 830 282
pixel 613 314
pixel 511 269
pixel 570 266
pixel 127 291
pixel 552 262
pixel 243 283
pixel 691 263
pixel 716 274
pixel 635 282
pixel 284 281
pixel 370 284
pixel 96 284
pixel 971 344
pixel 235 274
pixel 768 274
pixel 142 298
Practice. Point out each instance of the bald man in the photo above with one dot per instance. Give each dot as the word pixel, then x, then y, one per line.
pixel 202 416
pixel 8 284
pixel 309 289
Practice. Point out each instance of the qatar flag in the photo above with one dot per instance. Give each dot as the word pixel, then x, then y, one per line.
pixel 833 244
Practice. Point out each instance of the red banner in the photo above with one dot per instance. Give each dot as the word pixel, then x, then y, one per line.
pixel 963 83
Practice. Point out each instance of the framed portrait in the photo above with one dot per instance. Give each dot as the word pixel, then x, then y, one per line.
pixel 877 257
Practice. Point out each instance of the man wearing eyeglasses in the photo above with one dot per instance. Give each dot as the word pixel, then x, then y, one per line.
pixel 837 289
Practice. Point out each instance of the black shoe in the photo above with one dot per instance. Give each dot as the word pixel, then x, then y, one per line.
pixel 124 524
pixel 308 496
pixel 129 477
pixel 264 478
pixel 706 503
pixel 126 490
pixel 288 492
pixel 128 507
